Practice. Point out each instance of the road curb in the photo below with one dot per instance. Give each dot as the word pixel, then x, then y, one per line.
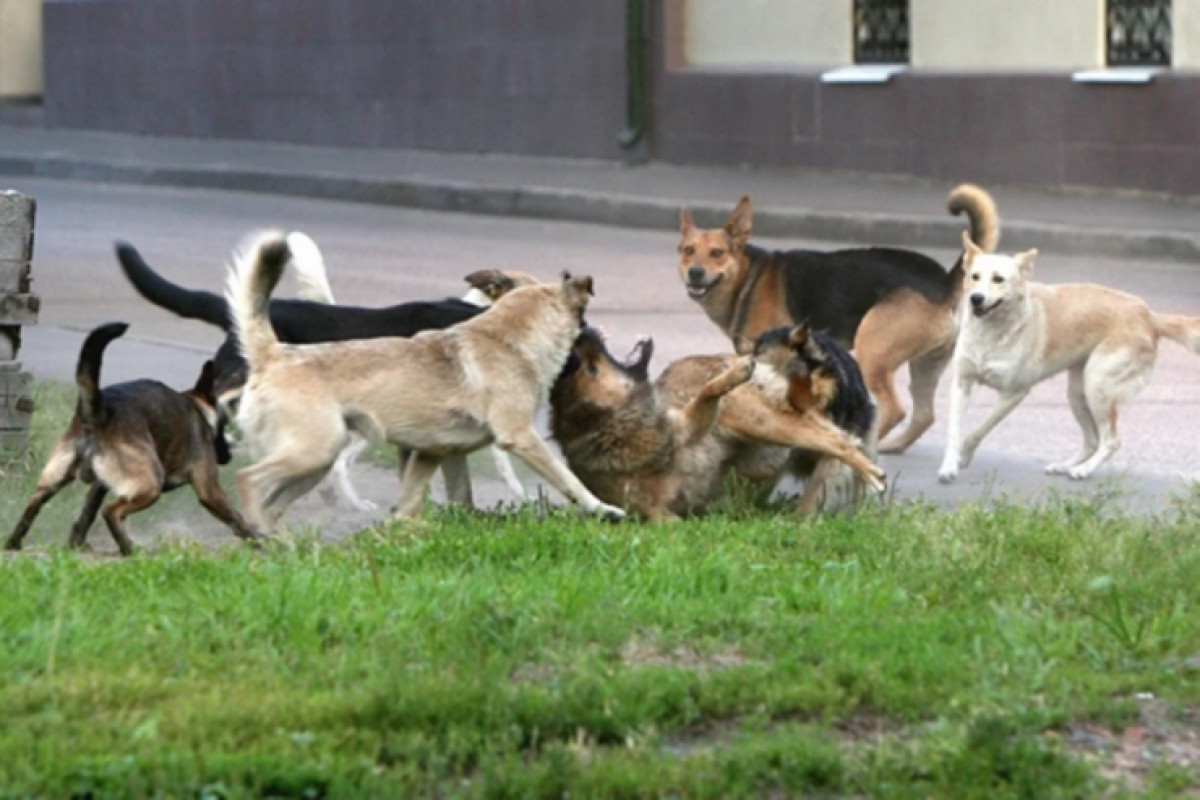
pixel 573 205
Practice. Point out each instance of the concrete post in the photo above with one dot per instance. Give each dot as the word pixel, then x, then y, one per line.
pixel 17 307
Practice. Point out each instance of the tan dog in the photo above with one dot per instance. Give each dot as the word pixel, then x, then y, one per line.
pixel 438 394
pixel 136 440
pixel 892 307
pixel 662 449
pixel 1017 333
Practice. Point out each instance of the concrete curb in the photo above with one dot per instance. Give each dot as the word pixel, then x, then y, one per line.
pixel 608 209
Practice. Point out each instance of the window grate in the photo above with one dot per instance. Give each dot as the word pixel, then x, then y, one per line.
pixel 1139 33
pixel 881 31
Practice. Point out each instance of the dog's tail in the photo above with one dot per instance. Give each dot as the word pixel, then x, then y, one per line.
pixel 1185 330
pixel 254 274
pixel 188 303
pixel 311 278
pixel 981 211
pixel 90 406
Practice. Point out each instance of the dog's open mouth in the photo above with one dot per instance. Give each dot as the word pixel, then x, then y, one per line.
pixel 983 311
pixel 699 290
pixel 639 356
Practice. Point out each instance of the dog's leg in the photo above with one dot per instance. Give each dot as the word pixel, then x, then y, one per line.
pixel 1087 424
pixel 701 412
pixel 267 488
pixel 757 421
pixel 56 475
pixel 458 480
pixel 505 467
pixel 341 474
pixel 87 515
pixel 1004 406
pixel 960 398
pixel 925 372
pixel 1111 377
pixel 524 442
pixel 415 473
pixel 206 483
pixel 119 509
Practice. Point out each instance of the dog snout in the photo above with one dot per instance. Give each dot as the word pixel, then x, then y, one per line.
pixel 695 274
pixel 977 300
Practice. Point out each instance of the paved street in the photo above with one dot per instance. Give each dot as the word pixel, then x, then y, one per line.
pixel 379 255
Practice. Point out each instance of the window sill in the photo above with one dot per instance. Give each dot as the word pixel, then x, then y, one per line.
pixel 1117 75
pixel 863 73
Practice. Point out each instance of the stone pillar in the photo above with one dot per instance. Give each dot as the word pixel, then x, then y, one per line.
pixel 17 307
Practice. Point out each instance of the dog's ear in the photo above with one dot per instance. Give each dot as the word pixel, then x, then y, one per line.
pixel 492 282
pixel 743 345
pixel 685 220
pixel 581 284
pixel 798 337
pixel 970 248
pixel 741 221
pixel 1025 262
pixel 206 384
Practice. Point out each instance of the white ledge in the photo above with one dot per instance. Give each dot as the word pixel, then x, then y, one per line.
pixel 863 73
pixel 1117 75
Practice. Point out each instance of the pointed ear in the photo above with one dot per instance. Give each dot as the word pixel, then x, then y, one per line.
pixel 206 384
pixel 799 336
pixel 743 346
pixel 685 220
pixel 741 221
pixel 581 284
pixel 970 248
pixel 1025 262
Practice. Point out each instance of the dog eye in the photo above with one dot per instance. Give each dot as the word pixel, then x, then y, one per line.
pixel 689 250
pixel 975 276
pixel 997 279
pixel 716 253
pixel 591 368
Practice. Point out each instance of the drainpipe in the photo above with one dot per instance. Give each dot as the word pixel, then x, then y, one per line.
pixel 635 74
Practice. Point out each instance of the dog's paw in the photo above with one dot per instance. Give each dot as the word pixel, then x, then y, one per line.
pixel 878 481
pixel 1058 468
pixel 12 546
pixel 948 473
pixel 741 370
pixel 609 513
pixel 358 504
pixel 1080 473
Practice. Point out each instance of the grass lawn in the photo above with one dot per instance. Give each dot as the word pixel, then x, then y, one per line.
pixel 995 651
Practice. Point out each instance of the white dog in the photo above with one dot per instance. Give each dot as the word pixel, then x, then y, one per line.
pixel 1017 333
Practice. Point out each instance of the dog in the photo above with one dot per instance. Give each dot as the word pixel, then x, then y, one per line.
pixel 135 440
pixel 663 449
pixel 890 306
pixel 438 394
pixel 314 318
pixel 1017 333
pixel 801 370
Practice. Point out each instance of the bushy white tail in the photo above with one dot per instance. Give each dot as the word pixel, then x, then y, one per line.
pixel 256 269
pixel 311 278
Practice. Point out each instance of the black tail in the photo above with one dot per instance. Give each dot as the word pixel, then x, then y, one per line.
pixel 90 407
pixel 188 303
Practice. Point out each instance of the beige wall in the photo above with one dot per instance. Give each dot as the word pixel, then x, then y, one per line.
pixel 1008 34
pixel 775 33
pixel 1185 29
pixel 20 48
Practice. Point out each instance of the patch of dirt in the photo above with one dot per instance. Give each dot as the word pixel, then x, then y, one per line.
pixel 639 653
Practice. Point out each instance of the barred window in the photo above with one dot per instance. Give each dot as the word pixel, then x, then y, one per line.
pixel 1138 33
pixel 881 31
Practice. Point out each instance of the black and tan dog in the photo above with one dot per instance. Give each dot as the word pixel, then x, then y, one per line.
pixel 662 449
pixel 800 370
pixel 890 306
pixel 135 440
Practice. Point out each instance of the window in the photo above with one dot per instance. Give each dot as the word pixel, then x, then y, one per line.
pixel 1138 33
pixel 881 31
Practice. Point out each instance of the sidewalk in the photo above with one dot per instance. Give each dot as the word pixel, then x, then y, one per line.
pixel 840 207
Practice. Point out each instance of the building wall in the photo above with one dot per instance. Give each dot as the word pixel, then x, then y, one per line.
pixel 1185 30
pixel 771 33
pixel 1007 34
pixel 20 48
pixel 519 76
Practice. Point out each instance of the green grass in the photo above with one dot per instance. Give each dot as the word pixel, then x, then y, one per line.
pixel 904 652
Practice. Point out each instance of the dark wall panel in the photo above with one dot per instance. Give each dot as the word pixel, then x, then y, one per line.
pixel 542 77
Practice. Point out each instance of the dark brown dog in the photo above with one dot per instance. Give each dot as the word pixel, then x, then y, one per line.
pixel 891 307
pixel 136 440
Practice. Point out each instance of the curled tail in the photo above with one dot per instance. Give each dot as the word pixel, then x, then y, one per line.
pixel 312 280
pixel 1185 330
pixel 256 270
pixel 90 406
pixel 984 219
pixel 188 303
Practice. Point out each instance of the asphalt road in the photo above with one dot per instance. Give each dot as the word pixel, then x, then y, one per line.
pixel 379 256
